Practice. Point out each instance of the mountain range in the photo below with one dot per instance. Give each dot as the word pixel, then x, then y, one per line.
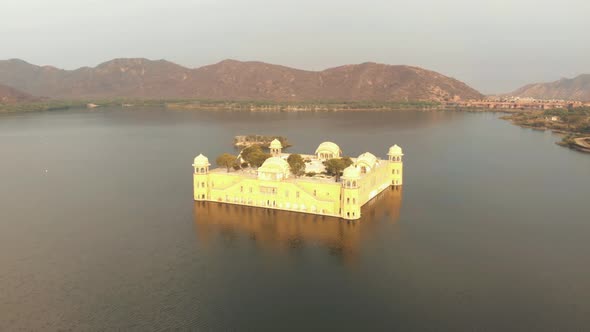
pixel 9 95
pixel 236 80
pixel 577 88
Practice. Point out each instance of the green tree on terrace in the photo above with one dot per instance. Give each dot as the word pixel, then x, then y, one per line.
pixel 258 158
pixel 226 160
pixel 334 167
pixel 297 164
pixel 249 151
pixel 347 161
pixel 254 155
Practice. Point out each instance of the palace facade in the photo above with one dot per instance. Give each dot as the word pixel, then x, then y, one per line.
pixel 272 185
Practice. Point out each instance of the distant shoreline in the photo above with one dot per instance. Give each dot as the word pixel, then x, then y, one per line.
pixel 573 125
pixel 222 105
pixel 244 105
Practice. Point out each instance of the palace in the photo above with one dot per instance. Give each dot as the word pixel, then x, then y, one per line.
pixel 272 185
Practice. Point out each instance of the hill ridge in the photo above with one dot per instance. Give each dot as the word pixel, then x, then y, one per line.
pixel 234 79
pixel 577 88
pixel 9 95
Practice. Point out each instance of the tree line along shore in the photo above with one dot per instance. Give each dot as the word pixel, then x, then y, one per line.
pixel 223 105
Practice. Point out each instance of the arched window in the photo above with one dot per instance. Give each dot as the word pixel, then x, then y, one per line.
pixel 354 201
pixel 363 170
pixel 354 183
pixel 347 200
pixel 203 184
pixel 315 193
pixel 241 189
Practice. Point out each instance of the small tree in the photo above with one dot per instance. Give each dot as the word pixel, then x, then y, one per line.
pixel 249 151
pixel 335 167
pixel 347 161
pixel 297 164
pixel 257 158
pixel 226 160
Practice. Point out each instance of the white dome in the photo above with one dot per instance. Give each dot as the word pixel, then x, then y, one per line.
pixel 274 168
pixel 367 159
pixel 329 147
pixel 351 172
pixel 395 151
pixel 201 160
pixel 275 165
pixel 276 144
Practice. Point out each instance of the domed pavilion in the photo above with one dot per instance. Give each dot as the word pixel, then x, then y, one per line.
pixel 328 150
pixel 274 168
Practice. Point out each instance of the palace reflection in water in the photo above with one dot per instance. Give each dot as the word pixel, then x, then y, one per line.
pixel 284 230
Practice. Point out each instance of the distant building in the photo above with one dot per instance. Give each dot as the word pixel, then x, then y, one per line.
pixel 272 185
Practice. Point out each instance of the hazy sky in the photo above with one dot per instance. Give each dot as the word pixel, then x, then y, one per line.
pixel 493 45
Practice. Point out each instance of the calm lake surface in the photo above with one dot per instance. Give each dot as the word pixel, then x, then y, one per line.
pixel 98 229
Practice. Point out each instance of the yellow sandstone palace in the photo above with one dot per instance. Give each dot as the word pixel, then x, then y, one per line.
pixel 272 185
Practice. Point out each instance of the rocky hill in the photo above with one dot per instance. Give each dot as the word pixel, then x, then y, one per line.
pixel 569 89
pixel 230 79
pixel 10 95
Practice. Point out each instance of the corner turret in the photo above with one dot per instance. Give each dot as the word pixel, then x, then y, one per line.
pixel 275 148
pixel 351 207
pixel 200 177
pixel 396 165
pixel 201 164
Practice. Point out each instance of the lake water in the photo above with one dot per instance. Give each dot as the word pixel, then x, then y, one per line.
pixel 98 229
